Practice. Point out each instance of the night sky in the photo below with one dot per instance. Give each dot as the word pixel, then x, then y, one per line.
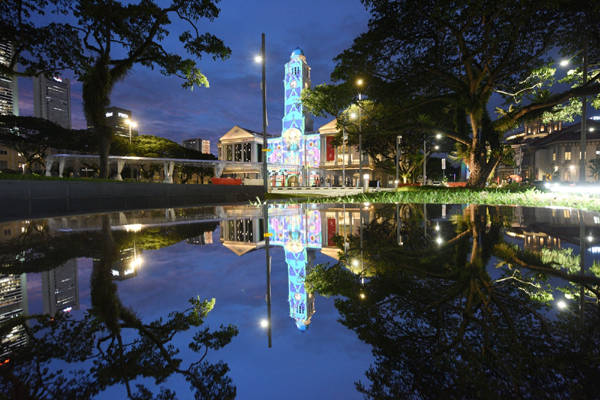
pixel 322 29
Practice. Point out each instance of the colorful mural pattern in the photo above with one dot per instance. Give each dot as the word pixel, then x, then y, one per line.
pixel 298 233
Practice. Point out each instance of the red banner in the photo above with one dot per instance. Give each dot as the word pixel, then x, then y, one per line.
pixel 330 231
pixel 330 149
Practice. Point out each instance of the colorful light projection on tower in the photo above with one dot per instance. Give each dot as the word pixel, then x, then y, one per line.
pixel 295 147
pixel 300 234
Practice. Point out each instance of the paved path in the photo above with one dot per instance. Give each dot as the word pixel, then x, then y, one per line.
pixel 321 191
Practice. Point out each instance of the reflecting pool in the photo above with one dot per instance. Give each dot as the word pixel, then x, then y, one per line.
pixel 322 301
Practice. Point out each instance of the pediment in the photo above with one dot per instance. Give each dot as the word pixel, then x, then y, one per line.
pixel 240 248
pixel 237 133
pixel 329 127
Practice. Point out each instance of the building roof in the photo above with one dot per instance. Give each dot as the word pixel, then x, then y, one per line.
pixel 571 133
pixel 297 52
pixel 329 127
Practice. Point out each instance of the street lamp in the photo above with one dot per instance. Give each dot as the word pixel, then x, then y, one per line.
pixel 261 59
pixel 438 136
pixel 131 124
pixel 360 153
pixel 583 111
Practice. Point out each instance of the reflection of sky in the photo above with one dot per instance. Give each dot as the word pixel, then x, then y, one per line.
pixel 326 360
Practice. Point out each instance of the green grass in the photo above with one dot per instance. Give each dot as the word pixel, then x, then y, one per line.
pixel 277 196
pixel 512 196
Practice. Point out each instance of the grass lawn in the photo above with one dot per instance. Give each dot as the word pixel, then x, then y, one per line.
pixel 514 195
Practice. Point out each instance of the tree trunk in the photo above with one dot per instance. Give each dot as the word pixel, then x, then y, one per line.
pixel 104 152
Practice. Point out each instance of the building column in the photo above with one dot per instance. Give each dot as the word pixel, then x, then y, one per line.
pixel 61 167
pixel 168 169
pixel 49 164
pixel 120 165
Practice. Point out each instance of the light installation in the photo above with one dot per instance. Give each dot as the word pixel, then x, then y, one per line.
pixel 295 147
pixel 298 231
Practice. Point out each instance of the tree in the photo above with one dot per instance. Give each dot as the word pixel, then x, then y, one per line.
pixel 106 30
pixel 436 65
pixel 31 137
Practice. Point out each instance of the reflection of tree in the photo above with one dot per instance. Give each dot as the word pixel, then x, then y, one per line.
pixel 442 326
pixel 112 341
pixel 40 250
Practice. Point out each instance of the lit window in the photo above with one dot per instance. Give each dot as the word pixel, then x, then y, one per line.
pixel 567 155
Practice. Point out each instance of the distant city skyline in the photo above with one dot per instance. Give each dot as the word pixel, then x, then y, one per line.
pixel 163 108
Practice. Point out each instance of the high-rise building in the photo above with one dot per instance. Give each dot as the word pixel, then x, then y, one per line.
pixel 61 288
pixel 119 118
pixel 9 87
pixel 197 144
pixel 9 105
pixel 52 100
pixel 13 303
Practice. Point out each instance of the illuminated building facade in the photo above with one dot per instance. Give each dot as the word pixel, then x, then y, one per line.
pixel 295 147
pixel 52 100
pixel 118 118
pixel 300 156
pixel 9 105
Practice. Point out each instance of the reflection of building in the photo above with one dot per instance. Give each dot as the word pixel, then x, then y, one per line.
pixel 60 288
pixel 205 238
pixel 300 230
pixel 197 144
pixel 300 156
pixel 126 267
pixel 52 100
pixel 13 303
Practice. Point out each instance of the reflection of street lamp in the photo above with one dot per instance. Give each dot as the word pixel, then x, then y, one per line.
pixel 398 139
pixel 131 124
pixel 261 58
pixel 563 306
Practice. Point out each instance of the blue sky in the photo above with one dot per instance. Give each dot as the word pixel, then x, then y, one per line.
pixel 322 29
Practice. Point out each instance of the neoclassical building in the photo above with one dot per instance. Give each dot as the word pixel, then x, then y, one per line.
pixel 300 156
pixel 553 152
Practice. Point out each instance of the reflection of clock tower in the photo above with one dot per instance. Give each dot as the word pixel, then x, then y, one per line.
pixel 296 121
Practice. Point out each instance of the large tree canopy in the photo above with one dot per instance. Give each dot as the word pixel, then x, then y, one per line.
pixel 109 39
pixel 435 65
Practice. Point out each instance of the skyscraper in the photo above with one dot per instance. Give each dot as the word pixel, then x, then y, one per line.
pixel 9 105
pixel 61 288
pixel 9 88
pixel 52 100
pixel 197 144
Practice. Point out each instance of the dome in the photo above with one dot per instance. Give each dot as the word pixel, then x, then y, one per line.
pixel 297 52
pixel 302 327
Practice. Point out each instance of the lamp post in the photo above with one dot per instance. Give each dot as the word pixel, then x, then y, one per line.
pixel 583 112
pixel 344 138
pixel 131 124
pixel 261 58
pixel 438 136
pixel 360 154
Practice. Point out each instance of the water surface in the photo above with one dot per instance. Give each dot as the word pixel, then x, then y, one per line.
pixel 427 301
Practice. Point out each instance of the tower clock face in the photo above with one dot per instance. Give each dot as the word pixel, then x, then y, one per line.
pixel 298 296
pixel 293 84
